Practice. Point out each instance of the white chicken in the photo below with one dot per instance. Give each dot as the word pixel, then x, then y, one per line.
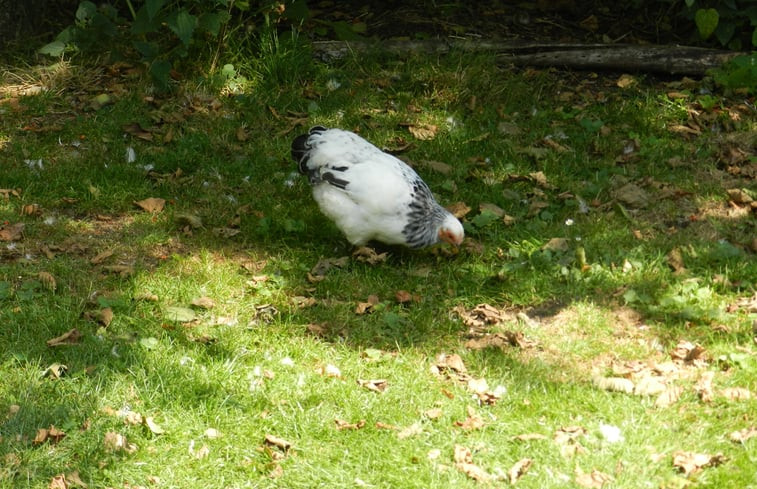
pixel 369 194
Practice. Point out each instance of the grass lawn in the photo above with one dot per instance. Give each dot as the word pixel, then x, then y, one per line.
pixel 176 313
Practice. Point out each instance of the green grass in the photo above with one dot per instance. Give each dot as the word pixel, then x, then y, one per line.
pixel 249 367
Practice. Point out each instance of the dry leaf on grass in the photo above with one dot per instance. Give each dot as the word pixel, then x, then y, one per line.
pixel 70 337
pixel 459 209
pixel 12 232
pixel 53 434
pixel 472 422
pixel 675 261
pixel 480 315
pixel 433 413
pixel 671 395
pixel 463 458
pixel 519 470
pixel 593 480
pixel 116 442
pixel 691 462
pixel 743 435
pixel 368 255
pixel 344 425
pixel 449 365
pixel 412 430
pixel 203 302
pixel 55 371
pixel 101 257
pixel 631 195
pixel 151 204
pixel 424 132
pixel 58 482
pixel 329 370
pixel 7 192
pixel 199 453
pixel 367 306
pixel 318 272
pixel 376 385
pixel 616 384
pixel 48 281
pixel 689 353
pixel 275 441
pixel 501 340
pixel 650 385
pixel 736 393
pixel 74 480
pixel 704 386
pixel 403 296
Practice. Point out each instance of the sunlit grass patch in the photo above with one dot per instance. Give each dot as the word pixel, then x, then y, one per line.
pixel 604 239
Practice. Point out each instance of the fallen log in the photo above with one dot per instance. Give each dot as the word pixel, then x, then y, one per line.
pixel 674 60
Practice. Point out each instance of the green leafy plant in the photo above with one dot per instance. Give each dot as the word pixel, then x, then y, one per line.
pixel 160 33
pixel 740 73
pixel 733 23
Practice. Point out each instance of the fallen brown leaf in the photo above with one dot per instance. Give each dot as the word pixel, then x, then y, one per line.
pixel 116 442
pixel 368 255
pixel 151 204
pixel 344 425
pixel 31 210
pixel 203 302
pixel 500 340
pixel 55 371
pixel 462 454
pixel 480 315
pixel 519 470
pixel 463 458
pixel 433 413
pixel 12 232
pixel 691 462
pixel 424 132
pixel 70 337
pixel 376 385
pixel 329 370
pixel 101 257
pixel 459 209
pixel 277 442
pixel 616 384
pixel 58 482
pixel 736 393
pixel 671 395
pixel 632 195
pixel 74 480
pixel 449 363
pixel 105 316
pixel 403 296
pixel 472 422
pixel 704 386
pixel 743 435
pixel 409 431
pixel 7 192
pixel 318 272
pixel 593 480
pixel 650 385
pixel 367 306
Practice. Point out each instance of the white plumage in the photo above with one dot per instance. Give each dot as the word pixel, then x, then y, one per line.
pixel 369 194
